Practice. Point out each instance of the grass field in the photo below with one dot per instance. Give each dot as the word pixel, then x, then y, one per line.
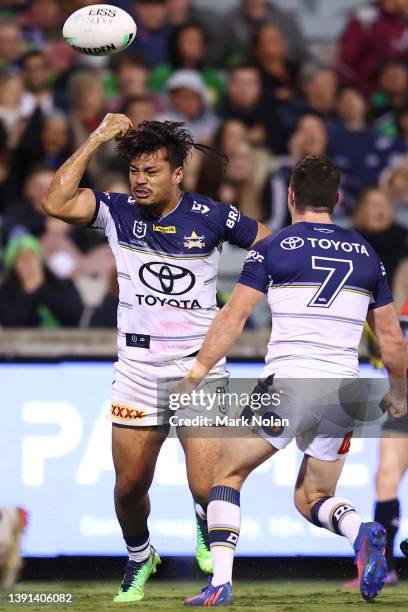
pixel 271 596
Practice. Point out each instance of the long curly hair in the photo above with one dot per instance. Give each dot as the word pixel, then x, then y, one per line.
pixel 172 136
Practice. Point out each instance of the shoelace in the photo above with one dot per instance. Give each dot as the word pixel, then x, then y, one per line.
pixel 209 578
pixel 130 574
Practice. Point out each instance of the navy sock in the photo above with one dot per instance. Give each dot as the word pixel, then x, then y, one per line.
pixel 388 514
pixel 138 546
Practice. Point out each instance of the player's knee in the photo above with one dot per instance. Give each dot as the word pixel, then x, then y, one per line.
pixel 387 479
pixel 229 475
pixel 130 489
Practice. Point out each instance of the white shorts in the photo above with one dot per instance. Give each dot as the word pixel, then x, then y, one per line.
pixel 321 414
pixel 140 391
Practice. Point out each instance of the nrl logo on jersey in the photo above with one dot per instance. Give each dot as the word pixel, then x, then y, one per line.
pixel 194 241
pixel 201 208
pixel 139 229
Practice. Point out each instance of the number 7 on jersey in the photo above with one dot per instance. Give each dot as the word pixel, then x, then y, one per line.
pixel 339 271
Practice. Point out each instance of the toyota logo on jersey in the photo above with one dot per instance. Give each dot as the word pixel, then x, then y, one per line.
pixel 292 243
pixel 166 278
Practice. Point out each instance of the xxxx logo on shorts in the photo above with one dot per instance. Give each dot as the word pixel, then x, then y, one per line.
pixel 119 411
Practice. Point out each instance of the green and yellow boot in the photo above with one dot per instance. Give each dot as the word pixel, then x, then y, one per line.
pixel 136 575
pixel 203 551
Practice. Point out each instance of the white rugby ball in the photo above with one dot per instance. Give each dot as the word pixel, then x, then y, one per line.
pixel 99 29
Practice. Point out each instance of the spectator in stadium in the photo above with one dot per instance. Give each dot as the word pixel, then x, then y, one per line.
pixel 375 220
pixel 375 32
pixel 402 125
pixel 212 178
pixel 44 141
pixel 152 30
pixel 41 21
pixel 68 251
pixel 131 75
pixel 72 254
pixel 37 89
pixel 55 141
pixel 240 24
pixel 360 152
pixel 88 109
pixel 390 97
pixel 243 101
pixel 26 214
pixel 106 314
pixel 11 43
pixel 318 85
pixel 139 108
pixel 309 138
pixel 11 92
pixel 7 186
pixel 243 180
pixel 270 52
pixel 187 49
pixel 30 295
pixel 182 11
pixel 188 101
pixel 394 182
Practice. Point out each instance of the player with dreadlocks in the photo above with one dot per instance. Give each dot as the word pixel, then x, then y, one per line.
pixel 167 246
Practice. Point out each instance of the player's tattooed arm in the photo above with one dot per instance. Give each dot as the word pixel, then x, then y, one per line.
pixel 385 324
pixel 64 200
pixel 225 329
pixel 263 232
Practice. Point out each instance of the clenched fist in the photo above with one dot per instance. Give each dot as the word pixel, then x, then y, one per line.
pixel 112 126
pixel 395 406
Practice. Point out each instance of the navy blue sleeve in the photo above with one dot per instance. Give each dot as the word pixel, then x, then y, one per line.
pixel 381 296
pixel 104 200
pixel 237 228
pixel 255 271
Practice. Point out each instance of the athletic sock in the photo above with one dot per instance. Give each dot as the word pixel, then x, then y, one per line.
pixel 388 514
pixel 337 515
pixel 224 520
pixel 201 518
pixel 138 547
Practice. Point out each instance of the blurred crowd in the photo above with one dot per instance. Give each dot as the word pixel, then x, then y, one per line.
pixel 244 80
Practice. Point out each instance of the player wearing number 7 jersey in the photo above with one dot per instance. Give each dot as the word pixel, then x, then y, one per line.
pixel 321 281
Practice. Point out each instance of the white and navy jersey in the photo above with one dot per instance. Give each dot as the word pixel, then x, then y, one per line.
pixel 320 280
pixel 167 270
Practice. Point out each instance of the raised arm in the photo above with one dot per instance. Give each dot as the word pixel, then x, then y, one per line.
pixel 64 200
pixel 385 324
pixel 225 329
